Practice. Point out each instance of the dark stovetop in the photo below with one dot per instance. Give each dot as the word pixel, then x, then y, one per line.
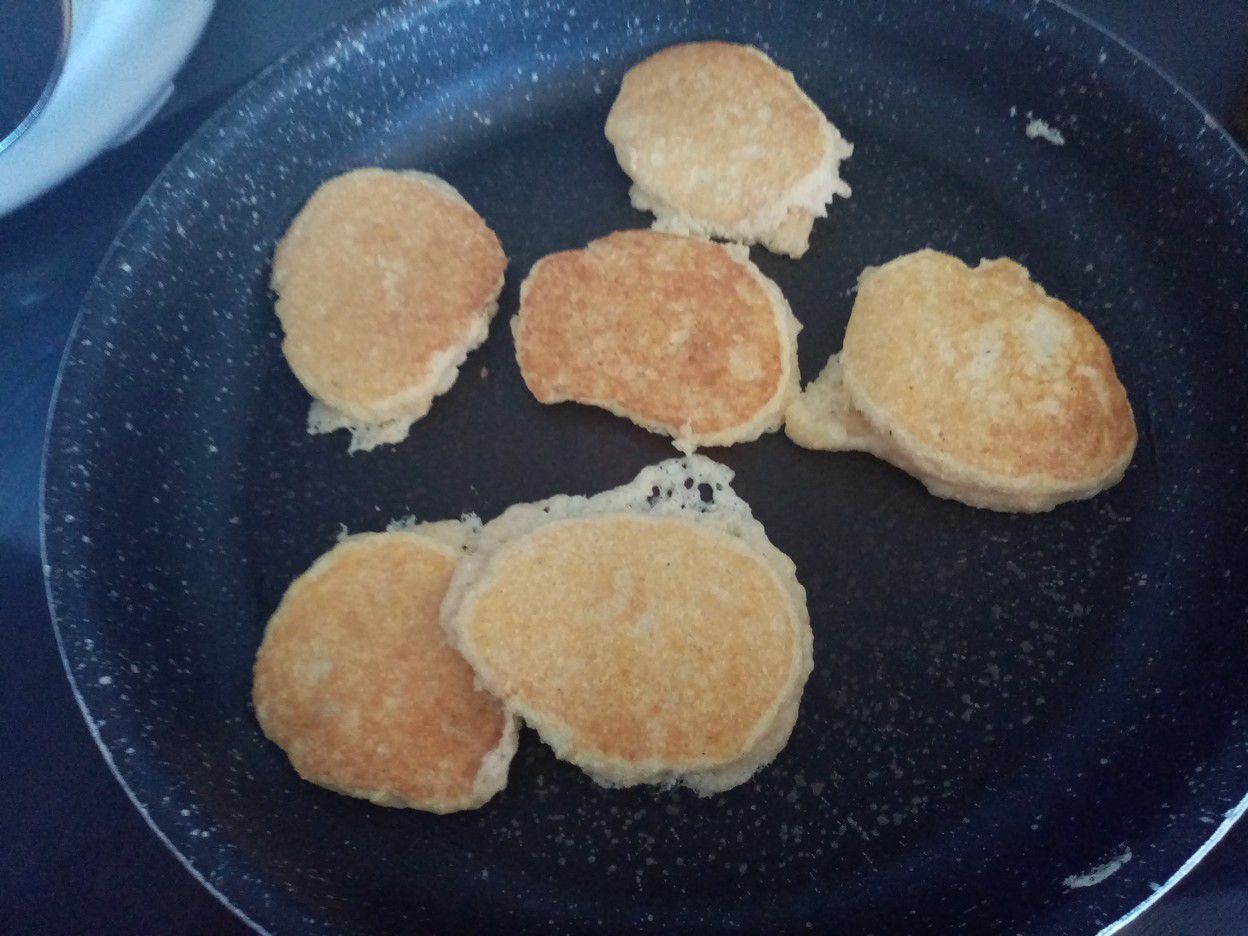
pixel 76 857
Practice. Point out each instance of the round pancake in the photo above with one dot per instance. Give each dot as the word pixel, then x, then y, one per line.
pixel 680 335
pixel 355 681
pixel 646 636
pixel 999 395
pixel 721 142
pixel 385 280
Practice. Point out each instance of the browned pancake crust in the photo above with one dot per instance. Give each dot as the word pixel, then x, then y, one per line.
pixel 355 680
pixel 978 372
pixel 673 332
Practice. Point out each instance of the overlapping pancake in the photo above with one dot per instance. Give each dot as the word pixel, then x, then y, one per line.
pixel 977 382
pixel 356 683
pixel 650 634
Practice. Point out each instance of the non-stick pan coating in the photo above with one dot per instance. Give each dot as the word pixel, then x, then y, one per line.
pixel 999 705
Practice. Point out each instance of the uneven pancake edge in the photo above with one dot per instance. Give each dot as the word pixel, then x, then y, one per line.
pixel 406 407
pixel 783 225
pixel 823 419
pixel 727 514
pixel 388 420
pixel 951 477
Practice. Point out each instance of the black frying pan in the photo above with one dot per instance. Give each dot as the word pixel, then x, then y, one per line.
pixel 1014 723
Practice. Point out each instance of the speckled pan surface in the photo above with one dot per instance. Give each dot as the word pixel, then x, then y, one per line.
pixel 1002 708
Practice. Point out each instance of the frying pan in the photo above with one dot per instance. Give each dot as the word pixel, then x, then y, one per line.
pixel 1015 723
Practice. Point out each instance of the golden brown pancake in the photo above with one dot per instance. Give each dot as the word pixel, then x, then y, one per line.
pixel 719 141
pixel 680 335
pixel 979 383
pixel 355 681
pixel 385 281
pixel 648 637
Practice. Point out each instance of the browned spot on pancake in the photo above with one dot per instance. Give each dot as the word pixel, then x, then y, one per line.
pixel 671 331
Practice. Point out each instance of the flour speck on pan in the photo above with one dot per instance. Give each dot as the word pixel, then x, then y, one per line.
pixel 1038 129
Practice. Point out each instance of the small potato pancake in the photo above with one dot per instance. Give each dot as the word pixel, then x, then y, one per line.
pixel 721 142
pixel 355 681
pixel 385 281
pixel 976 381
pixel 682 336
